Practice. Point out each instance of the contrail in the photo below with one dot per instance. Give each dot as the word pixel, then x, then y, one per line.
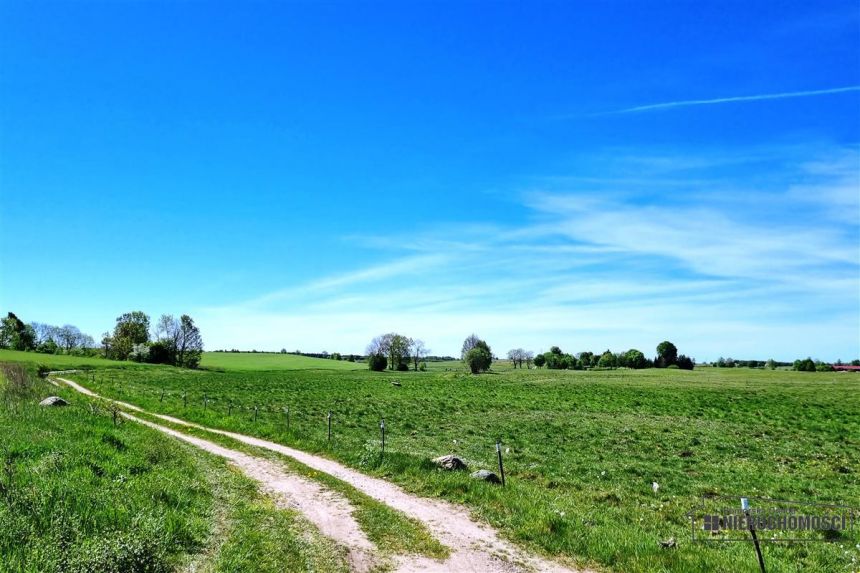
pixel 759 97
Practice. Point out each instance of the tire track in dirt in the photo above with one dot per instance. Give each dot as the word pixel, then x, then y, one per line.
pixel 330 513
pixel 475 547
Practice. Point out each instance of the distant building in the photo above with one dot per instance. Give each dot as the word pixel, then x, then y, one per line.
pixel 846 368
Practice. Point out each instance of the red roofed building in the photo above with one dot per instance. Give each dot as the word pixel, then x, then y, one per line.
pixel 846 368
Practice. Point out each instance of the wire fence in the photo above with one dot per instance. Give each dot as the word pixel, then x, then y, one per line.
pixel 277 415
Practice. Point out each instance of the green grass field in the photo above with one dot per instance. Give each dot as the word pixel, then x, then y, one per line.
pixel 585 447
pixel 236 361
pixel 61 361
pixel 80 493
pixel 272 361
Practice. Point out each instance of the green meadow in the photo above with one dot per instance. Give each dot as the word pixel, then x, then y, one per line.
pixel 581 448
pixel 272 361
pixel 83 492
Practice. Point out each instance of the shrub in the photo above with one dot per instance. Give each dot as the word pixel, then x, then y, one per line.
pixel 557 360
pixel 478 359
pixel 139 352
pixel 160 353
pixel 48 347
pixel 377 362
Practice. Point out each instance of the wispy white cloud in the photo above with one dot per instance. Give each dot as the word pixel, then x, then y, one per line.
pixel 736 99
pixel 376 273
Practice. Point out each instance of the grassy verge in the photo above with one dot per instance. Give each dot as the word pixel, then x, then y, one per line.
pixel 81 493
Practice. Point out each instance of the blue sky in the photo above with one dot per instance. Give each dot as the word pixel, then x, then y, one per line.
pixel 308 175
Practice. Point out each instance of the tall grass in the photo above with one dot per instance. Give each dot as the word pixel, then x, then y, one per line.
pixel 80 493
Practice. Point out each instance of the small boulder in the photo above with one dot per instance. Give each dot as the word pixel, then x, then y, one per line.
pixel 396 383
pixel 450 462
pixel 486 475
pixel 53 401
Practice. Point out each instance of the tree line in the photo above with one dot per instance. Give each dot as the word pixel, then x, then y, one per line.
pixel 173 341
pixel 801 365
pixel 396 352
pixel 667 357
pixel 810 365
pixel 44 338
pixel 177 342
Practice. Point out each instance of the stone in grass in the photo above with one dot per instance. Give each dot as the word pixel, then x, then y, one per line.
pixel 668 543
pixel 53 401
pixel 450 462
pixel 486 475
pixel 396 383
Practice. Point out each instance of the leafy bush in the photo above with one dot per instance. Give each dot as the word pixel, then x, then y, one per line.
pixel 377 362
pixel 807 365
pixel 478 359
pixel 139 353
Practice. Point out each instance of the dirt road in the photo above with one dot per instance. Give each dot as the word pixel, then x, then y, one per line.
pixel 475 547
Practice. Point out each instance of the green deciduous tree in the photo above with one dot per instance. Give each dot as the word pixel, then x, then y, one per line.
pixel 588 359
pixel 395 347
pixel 607 360
pixel 479 356
pixel 555 359
pixel 15 334
pixel 635 359
pixel 667 355
pixel 478 359
pixel 685 362
pixel 131 328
